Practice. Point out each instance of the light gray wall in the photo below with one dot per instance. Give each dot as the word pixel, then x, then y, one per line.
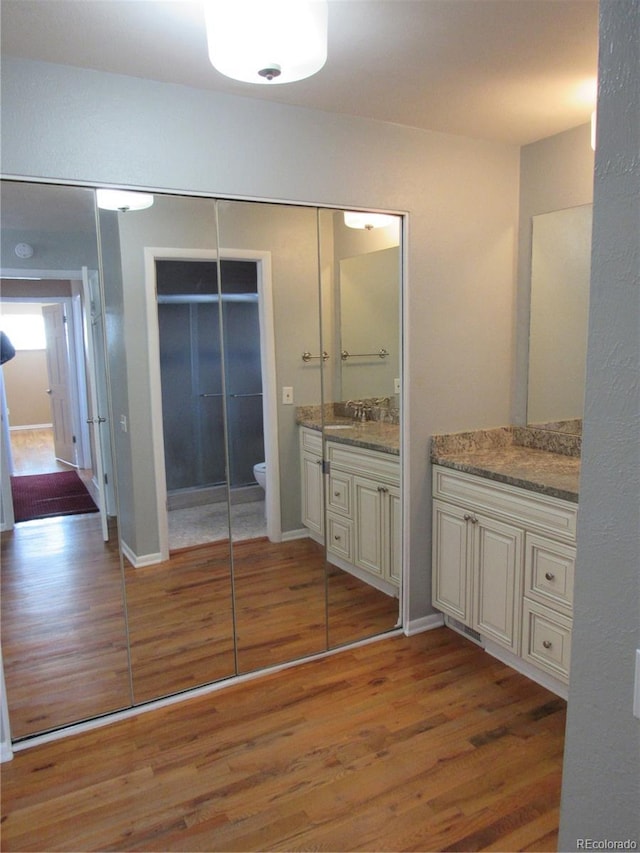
pixel 555 173
pixel 601 780
pixel 461 196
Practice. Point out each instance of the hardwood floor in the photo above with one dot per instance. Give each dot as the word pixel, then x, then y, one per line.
pixel 423 743
pixel 33 453
pixel 64 639
pixel 67 638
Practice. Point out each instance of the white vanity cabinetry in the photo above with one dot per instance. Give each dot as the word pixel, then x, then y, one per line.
pixel 503 561
pixel 312 486
pixel 363 517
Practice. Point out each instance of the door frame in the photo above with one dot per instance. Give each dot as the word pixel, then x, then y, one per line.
pixel 262 259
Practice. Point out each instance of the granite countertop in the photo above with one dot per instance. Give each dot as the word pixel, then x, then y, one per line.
pixel 503 455
pixel 370 435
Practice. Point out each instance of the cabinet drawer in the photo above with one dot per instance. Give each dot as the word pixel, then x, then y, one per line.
pixel 369 463
pixel 528 509
pixel 549 571
pixel 339 494
pixel 546 639
pixel 311 441
pixel 340 537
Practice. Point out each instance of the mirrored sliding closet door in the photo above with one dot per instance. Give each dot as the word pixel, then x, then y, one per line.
pixel 64 637
pixel 242 364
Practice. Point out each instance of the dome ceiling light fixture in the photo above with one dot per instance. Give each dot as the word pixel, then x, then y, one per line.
pixel 267 41
pixel 123 200
pixel 368 221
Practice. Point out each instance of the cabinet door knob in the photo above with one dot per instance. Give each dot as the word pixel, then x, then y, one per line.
pixel 336 494
pixel 474 520
pixel 547 644
pixel 549 576
pixel 336 537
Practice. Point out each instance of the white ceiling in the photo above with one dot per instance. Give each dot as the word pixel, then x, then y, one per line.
pixel 508 70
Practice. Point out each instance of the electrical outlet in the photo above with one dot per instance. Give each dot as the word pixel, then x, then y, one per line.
pixel 287 395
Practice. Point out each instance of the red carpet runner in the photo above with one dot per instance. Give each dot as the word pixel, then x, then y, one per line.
pixel 45 495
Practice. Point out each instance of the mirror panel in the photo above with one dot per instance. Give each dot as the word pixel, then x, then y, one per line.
pixel 361 323
pixel 279 584
pixel 219 328
pixel 175 532
pixel 64 636
pixel 560 275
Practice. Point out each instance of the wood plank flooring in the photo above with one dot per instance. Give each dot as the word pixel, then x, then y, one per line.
pixel 33 452
pixel 66 640
pixel 423 743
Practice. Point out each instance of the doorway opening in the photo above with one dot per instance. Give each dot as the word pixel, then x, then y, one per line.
pixel 206 375
pixel 222 348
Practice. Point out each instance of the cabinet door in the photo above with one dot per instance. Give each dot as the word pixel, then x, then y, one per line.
pixel 312 497
pixel 369 541
pixel 393 525
pixel 450 577
pixel 497 572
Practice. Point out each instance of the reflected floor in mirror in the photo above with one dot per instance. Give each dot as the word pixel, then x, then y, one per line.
pixel 63 628
pixel 197 525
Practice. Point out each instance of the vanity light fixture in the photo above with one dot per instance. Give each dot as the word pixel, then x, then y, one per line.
pixel 123 200
pixel 267 41
pixel 368 221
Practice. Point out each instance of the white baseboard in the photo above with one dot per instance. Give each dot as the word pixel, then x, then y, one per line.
pixel 30 426
pixel 425 623
pixel 139 562
pixel 290 535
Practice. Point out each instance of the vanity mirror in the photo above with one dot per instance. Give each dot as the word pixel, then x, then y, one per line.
pixel 208 306
pixel 560 272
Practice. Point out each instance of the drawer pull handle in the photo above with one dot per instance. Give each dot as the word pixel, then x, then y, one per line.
pixel 336 537
pixel 549 576
pixel 547 644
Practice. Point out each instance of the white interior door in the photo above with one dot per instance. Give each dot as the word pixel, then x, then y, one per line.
pixel 98 420
pixel 60 396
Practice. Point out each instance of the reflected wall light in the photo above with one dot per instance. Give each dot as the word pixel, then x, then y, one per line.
pixel 123 200
pixel 368 221
pixel 267 41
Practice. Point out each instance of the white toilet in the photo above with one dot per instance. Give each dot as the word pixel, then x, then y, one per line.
pixel 260 473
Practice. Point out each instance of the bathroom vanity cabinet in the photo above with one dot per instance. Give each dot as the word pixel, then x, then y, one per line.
pixel 503 564
pixel 363 518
